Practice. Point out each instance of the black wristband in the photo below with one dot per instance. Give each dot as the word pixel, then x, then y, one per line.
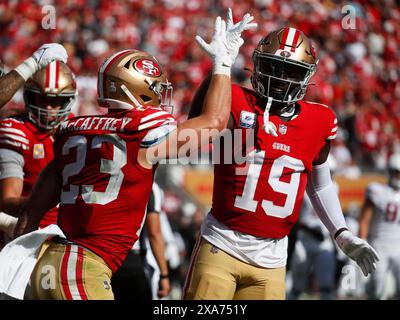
pixel 164 276
pixel 339 232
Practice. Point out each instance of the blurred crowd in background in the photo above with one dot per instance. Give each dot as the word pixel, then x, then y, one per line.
pixel 358 73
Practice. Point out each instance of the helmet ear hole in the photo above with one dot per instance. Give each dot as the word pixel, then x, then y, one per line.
pixel 145 98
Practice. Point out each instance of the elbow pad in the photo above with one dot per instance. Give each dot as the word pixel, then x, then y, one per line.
pixel 324 198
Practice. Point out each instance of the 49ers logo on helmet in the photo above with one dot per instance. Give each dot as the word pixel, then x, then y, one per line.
pixel 147 67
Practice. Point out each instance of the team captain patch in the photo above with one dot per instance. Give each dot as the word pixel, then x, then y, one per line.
pixel 247 119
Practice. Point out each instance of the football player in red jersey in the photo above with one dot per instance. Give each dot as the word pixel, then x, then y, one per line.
pixel 104 165
pixel 242 251
pixel 11 82
pixel 26 142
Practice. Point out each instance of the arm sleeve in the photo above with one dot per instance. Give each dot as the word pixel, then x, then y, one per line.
pixel 11 164
pixel 324 198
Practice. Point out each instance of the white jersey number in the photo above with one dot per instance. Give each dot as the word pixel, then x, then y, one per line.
pixel 112 167
pixel 246 200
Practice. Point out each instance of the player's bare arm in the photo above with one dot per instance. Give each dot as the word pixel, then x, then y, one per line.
pixel 215 108
pixel 10 196
pixel 9 85
pixel 216 105
pixel 232 32
pixel 157 245
pixel 365 218
pixel 11 188
pixel 45 195
pixel 196 106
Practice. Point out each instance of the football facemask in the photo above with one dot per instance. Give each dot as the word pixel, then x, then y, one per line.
pixel 46 111
pixel 50 95
pixel 283 81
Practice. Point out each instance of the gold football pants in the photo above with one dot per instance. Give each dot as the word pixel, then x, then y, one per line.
pixel 70 272
pixel 215 275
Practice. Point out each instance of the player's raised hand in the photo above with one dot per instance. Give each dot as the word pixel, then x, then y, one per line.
pixel 48 53
pixel 358 250
pixel 41 58
pixel 218 48
pixel 234 31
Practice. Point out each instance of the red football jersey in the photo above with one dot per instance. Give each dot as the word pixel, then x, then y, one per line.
pixel 105 190
pixel 22 136
pixel 263 197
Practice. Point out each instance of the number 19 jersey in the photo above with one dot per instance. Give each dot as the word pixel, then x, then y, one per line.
pixel 263 196
pixel 105 190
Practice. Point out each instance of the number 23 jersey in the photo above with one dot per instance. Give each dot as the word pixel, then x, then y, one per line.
pixel 105 189
pixel 262 197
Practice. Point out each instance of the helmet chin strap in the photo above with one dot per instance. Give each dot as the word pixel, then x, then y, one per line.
pixel 286 112
pixel 269 127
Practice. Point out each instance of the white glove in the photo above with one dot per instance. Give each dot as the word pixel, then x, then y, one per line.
pixel 358 250
pixel 7 224
pixel 234 32
pixel 218 49
pixel 41 58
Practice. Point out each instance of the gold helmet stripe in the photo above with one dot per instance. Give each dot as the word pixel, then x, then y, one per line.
pixel 105 66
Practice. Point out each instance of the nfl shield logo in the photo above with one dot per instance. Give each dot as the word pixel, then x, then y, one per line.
pixel 282 129
pixel 38 151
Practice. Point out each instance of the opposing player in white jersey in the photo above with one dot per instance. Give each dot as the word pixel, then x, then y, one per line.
pixel 380 223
